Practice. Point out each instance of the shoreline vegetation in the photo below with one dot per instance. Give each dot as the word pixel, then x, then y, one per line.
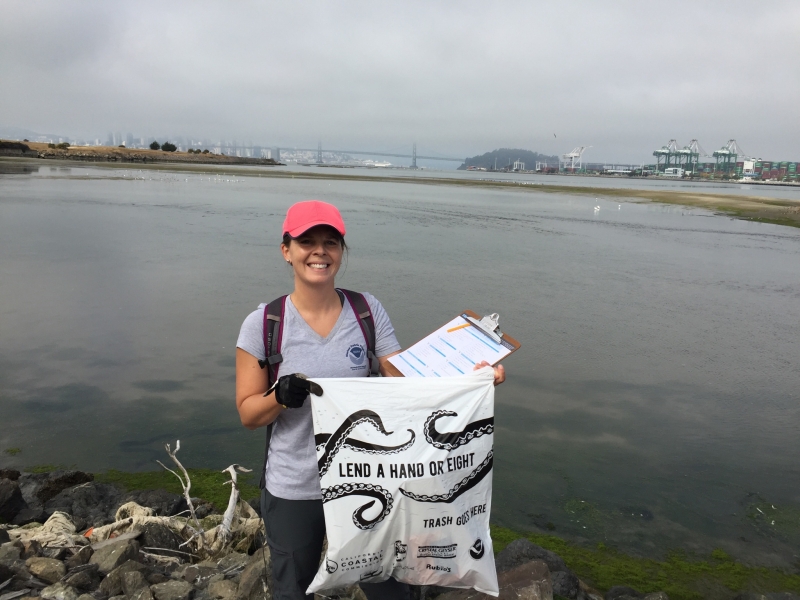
pixel 591 571
pixel 750 208
pixel 121 154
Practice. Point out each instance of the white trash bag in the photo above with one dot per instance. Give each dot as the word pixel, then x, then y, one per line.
pixel 406 474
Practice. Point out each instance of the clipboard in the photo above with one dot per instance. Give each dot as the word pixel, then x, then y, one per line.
pixel 453 349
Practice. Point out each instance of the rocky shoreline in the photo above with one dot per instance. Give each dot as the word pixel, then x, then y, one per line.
pixel 68 537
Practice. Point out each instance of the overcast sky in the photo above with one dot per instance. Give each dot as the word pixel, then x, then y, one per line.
pixel 459 78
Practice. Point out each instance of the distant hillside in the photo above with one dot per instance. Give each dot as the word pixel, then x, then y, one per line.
pixel 506 157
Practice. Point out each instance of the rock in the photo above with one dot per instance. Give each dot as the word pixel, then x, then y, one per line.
pixel 203 508
pixel 141 594
pixel 157 577
pixel 782 596
pixel 521 551
pixel 30 515
pixel 18 567
pixel 623 592
pixel 657 596
pixel 750 596
pixel 110 557
pixel 46 569
pixel 92 503
pixel 157 537
pixel 84 577
pixel 11 474
pixel 235 561
pixel 11 500
pixel 251 582
pixel 133 581
pixel 59 591
pixel 61 480
pixel 165 504
pixel 566 584
pixel 112 584
pixel 9 551
pixel 4 537
pixel 6 572
pixel 81 557
pixel 528 581
pixel 54 552
pixel 197 575
pixel 172 590
pixel 224 589
pixel 30 548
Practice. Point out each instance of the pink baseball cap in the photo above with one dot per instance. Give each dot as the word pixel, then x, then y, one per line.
pixel 302 216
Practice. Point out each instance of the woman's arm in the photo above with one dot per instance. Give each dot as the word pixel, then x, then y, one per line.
pixel 384 360
pixel 255 409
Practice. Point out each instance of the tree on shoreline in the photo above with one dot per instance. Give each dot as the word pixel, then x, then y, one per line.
pixel 155 145
pixel 168 147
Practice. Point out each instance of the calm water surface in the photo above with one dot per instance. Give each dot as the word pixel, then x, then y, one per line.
pixel 654 403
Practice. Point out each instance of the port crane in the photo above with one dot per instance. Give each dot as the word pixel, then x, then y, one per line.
pixel 568 159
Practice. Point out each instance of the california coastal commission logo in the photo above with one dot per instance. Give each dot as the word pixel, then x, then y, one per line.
pixel 356 563
pixel 356 353
pixel 448 551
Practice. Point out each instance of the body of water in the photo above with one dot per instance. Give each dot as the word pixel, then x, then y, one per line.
pixel 654 404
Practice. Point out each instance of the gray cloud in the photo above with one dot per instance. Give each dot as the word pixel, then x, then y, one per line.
pixel 458 78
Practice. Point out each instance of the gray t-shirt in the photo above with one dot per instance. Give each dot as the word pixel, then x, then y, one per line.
pixel 292 471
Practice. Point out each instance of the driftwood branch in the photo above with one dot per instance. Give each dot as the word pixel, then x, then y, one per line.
pixel 187 485
pixel 227 519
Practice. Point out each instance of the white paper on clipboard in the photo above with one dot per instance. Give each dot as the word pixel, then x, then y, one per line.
pixel 443 354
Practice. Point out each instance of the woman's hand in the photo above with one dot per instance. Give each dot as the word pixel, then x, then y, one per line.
pixel 499 371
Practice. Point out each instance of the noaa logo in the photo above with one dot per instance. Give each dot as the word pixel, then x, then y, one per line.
pixel 330 565
pixel 356 353
pixel 476 551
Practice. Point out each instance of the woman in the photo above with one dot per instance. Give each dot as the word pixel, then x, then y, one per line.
pixel 319 330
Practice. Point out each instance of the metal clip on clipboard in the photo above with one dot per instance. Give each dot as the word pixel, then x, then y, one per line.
pixel 489 325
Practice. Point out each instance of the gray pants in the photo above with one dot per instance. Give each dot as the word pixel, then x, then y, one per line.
pixel 295 530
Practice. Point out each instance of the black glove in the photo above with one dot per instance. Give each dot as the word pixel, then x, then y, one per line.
pixel 292 390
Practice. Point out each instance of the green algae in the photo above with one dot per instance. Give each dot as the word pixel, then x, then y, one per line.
pixel 12 451
pixel 39 469
pixel 681 576
pixel 206 484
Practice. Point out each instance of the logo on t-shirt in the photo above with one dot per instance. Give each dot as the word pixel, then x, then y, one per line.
pixel 357 354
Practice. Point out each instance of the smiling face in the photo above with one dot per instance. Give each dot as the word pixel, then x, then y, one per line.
pixel 315 255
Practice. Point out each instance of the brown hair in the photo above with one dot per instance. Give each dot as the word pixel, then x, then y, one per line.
pixel 287 239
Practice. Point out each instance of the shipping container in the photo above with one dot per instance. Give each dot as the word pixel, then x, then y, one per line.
pixel 784 165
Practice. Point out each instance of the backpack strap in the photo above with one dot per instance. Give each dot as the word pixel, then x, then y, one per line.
pixel 367 323
pixel 273 336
